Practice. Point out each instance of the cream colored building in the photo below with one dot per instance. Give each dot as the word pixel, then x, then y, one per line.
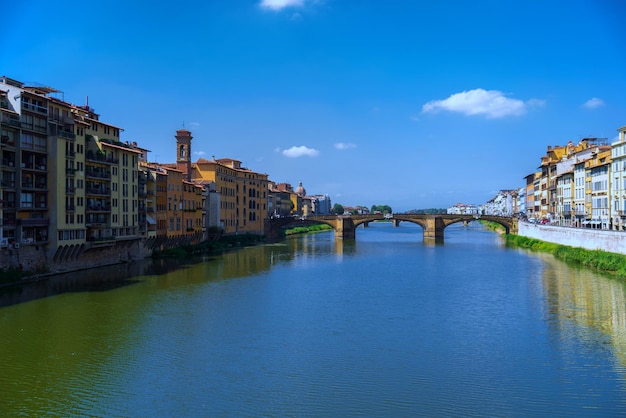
pixel 618 181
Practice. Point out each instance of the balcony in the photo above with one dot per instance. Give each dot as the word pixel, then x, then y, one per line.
pixel 99 220
pixel 66 135
pixel 98 174
pixel 98 192
pixel 101 242
pixel 70 190
pixel 98 208
pixel 35 108
pixel 11 120
pixel 31 205
pixel 33 222
pixel 34 128
pixel 8 184
pixel 101 158
pixel 9 222
pixel 37 186
pixel 6 140
pixel 8 163
pixel 70 154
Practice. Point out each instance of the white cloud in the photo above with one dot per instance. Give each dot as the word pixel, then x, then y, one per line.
pixel 281 4
pixel 593 103
pixel 295 152
pixel 200 153
pixel 491 103
pixel 344 145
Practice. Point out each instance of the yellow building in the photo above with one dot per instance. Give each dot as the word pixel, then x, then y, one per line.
pixel 243 192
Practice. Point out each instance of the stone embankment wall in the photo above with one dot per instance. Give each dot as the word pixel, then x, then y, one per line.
pixel 34 259
pixel 590 239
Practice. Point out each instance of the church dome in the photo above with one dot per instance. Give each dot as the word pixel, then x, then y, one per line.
pixel 300 190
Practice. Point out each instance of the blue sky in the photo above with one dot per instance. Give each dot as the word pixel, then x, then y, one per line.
pixel 414 104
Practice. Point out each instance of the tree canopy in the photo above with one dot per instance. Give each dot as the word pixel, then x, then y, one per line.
pixel 338 209
pixel 381 209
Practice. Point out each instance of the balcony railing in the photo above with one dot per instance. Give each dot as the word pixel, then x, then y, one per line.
pixel 98 174
pixel 35 108
pixel 66 135
pixel 7 141
pixel 11 120
pixel 98 208
pixel 101 159
pixel 100 192
pixel 33 221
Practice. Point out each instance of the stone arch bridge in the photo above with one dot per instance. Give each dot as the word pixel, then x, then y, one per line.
pixel 345 226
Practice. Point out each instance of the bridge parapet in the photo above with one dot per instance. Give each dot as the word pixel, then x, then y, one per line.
pixel 345 226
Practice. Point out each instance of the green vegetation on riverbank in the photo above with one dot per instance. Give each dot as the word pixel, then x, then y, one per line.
pixel 224 243
pixel 12 275
pixel 596 259
pixel 307 229
pixel 494 226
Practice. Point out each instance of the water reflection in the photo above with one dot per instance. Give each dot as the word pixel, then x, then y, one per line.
pixel 467 328
pixel 585 305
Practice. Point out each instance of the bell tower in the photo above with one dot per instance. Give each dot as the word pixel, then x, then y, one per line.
pixel 183 151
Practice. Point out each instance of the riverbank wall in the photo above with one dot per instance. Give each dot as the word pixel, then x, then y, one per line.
pixel 37 259
pixel 590 239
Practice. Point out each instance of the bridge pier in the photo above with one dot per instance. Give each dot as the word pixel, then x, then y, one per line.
pixel 344 228
pixel 433 232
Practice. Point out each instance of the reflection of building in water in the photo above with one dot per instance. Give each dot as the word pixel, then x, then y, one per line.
pixel 248 262
pixel 590 302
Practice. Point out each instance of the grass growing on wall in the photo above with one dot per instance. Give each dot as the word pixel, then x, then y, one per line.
pixel 494 226
pixel 307 229
pixel 224 243
pixel 596 259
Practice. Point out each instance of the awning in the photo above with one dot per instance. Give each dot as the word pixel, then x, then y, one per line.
pixel 150 220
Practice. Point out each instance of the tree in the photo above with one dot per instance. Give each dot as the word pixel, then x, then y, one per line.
pixel 381 209
pixel 338 209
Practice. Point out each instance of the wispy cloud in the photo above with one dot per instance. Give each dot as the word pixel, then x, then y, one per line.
pixel 295 152
pixel 200 153
pixel 281 4
pixel 593 103
pixel 344 145
pixel 489 103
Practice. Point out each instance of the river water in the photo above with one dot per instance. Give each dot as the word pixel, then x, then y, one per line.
pixel 384 326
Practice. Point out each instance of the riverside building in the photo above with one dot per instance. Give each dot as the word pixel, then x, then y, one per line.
pixel 74 195
pixel 243 193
